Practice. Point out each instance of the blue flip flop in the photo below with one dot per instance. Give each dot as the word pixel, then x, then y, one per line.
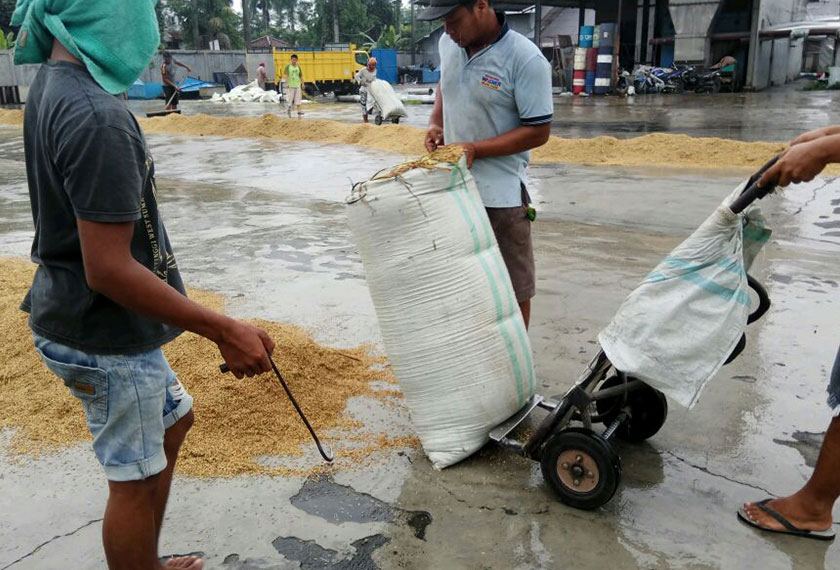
pixel 790 529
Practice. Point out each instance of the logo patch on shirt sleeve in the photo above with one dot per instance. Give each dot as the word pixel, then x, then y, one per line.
pixel 491 81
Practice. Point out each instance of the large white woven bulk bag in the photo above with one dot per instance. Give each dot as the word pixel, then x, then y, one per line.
pixel 678 327
pixel 387 99
pixel 450 322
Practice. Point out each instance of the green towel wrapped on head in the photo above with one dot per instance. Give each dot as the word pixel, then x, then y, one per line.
pixel 114 39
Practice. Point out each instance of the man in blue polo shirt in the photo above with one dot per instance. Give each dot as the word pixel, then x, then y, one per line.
pixel 494 99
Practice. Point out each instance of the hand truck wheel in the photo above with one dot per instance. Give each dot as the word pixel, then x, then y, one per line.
pixel 395 120
pixel 378 120
pixel 581 467
pixel 648 411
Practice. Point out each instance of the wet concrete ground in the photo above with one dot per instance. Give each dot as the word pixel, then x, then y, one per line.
pixel 263 223
pixel 777 114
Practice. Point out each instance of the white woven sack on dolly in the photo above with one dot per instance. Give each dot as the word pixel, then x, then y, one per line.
pixel 450 323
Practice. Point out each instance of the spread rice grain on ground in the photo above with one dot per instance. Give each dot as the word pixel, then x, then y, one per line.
pixel 238 422
pixel 668 150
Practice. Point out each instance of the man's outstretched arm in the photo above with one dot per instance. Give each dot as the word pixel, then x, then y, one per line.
pixel 111 270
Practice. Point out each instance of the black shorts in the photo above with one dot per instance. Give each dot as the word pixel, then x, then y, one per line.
pixel 168 92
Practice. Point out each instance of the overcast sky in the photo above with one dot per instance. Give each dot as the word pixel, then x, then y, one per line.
pixel 237 5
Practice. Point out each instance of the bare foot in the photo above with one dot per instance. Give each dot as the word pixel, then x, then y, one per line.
pixel 801 514
pixel 185 563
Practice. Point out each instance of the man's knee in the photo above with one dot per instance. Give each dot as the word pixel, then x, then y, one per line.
pixel 179 429
pixel 140 491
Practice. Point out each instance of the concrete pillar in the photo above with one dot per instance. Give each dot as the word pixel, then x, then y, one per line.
pixel 538 23
pixel 836 49
pixel 643 56
pixel 752 54
pixel 692 20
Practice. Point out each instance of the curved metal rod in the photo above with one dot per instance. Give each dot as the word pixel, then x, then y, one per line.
pixel 739 348
pixel 763 299
pixel 752 192
pixel 327 453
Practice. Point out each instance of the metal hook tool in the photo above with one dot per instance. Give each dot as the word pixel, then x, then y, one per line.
pixel 327 453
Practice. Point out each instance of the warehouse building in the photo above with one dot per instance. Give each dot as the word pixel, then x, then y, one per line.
pixel 771 40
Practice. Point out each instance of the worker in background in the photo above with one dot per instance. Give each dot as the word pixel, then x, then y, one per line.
pixel 171 92
pixel 725 60
pixel 494 99
pixel 293 76
pixel 364 77
pixel 262 77
pixel 107 292
pixel 807 513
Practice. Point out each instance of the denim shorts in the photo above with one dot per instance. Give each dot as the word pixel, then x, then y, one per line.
pixel 129 402
pixel 834 387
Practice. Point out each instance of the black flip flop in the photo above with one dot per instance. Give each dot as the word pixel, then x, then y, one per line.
pixel 791 530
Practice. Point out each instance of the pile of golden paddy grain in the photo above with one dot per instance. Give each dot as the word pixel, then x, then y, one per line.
pixel 399 139
pixel 649 150
pixel 659 149
pixel 237 421
pixel 443 155
pixel 11 117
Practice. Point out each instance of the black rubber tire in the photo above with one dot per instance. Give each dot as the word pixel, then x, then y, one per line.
pixel 648 411
pixel 377 119
pixel 599 450
pixel 395 120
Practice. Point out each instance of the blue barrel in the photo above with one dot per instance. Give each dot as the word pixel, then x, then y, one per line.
pixel 586 33
pixel 604 70
pixel 589 82
pixel 606 35
pixel 591 59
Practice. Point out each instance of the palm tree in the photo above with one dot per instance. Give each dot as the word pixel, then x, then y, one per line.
pixel 196 36
pixel 336 34
pixel 266 6
pixel 246 22
pixel 263 6
pixel 290 7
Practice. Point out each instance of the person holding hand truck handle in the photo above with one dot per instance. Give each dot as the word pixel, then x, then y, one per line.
pixel 494 99
pixel 806 513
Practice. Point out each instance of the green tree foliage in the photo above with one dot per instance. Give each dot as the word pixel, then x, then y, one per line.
pixel 358 20
pixel 216 20
pixel 7 7
pixel 372 23
pixel 7 40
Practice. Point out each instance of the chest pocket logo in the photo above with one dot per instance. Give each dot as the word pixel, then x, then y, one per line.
pixel 491 81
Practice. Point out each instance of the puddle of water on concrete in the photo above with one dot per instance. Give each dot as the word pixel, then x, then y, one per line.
pixel 806 443
pixel 335 503
pixel 235 562
pixel 312 556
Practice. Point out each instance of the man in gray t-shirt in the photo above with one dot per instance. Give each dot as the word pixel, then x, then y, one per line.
pixel 107 294
pixel 494 99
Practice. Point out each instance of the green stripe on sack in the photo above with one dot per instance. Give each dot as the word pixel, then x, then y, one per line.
pixel 481 215
pixel 716 289
pixel 757 234
pixel 707 284
pixel 493 288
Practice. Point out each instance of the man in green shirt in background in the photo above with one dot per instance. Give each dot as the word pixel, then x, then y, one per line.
pixel 293 77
